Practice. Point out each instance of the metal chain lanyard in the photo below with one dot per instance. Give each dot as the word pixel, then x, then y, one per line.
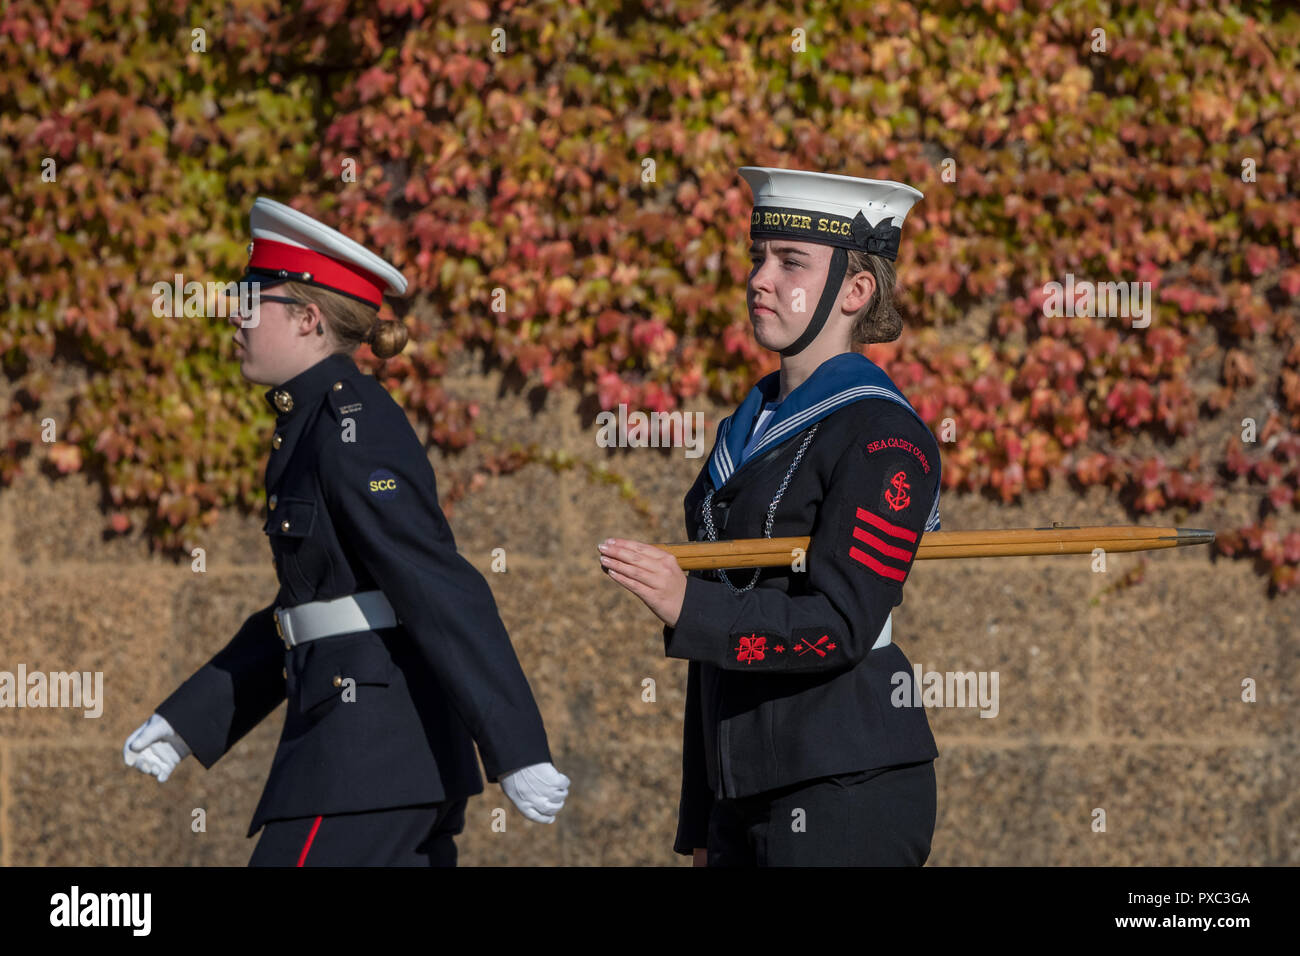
pixel 771 512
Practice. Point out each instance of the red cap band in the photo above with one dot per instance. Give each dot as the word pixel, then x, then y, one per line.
pixel 326 271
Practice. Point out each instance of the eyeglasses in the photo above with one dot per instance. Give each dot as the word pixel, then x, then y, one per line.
pixel 259 299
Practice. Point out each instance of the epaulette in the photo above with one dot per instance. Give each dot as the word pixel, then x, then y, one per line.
pixel 344 398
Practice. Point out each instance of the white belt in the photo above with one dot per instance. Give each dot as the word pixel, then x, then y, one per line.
pixel 886 632
pixel 364 611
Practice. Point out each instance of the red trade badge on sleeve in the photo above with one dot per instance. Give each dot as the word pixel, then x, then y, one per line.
pixel 884 546
pixel 897 493
pixel 771 650
pixel 753 647
pixel 898 490
pixel 821 647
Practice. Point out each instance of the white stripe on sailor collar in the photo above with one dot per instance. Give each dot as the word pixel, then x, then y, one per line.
pixel 724 460
pixel 726 466
pixel 721 457
pixel 848 395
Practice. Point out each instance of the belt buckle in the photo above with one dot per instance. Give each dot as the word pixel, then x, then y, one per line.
pixel 279 630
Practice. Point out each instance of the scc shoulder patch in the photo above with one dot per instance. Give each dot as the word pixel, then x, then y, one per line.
pixel 383 484
pixel 767 649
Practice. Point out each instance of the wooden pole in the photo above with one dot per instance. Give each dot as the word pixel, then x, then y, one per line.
pixel 1058 539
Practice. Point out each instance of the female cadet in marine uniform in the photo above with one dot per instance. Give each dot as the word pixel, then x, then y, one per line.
pixel 386 642
pixel 793 751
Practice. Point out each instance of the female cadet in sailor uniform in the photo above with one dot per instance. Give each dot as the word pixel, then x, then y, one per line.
pixel 386 642
pixel 794 752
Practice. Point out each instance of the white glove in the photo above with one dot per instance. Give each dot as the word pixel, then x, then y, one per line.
pixel 155 748
pixel 538 791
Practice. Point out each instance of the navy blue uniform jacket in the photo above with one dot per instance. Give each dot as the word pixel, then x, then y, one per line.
pixel 783 685
pixel 353 506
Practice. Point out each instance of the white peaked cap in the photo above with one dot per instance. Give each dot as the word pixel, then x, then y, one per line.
pixel 291 246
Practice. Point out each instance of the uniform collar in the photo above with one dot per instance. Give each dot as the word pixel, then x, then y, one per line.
pixel 838 381
pixel 309 386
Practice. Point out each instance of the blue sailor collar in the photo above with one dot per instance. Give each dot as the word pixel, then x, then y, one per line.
pixel 840 380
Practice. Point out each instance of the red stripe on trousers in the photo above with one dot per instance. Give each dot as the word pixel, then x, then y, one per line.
pixel 302 857
pixel 898 531
pixel 888 550
pixel 874 565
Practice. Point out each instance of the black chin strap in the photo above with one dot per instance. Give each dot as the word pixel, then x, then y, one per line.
pixel 834 279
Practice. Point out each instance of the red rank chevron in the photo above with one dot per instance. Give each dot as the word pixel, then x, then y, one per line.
pixel 884 549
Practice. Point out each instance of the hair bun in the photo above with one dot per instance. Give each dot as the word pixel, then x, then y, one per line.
pixel 387 337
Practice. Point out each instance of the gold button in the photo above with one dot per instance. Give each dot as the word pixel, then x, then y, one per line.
pixel 338 681
pixel 283 401
pixel 284 525
pixel 285 672
pixel 275 442
pixel 271 504
pixel 337 386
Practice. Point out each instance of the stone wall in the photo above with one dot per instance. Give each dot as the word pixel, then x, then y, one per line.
pixel 1121 698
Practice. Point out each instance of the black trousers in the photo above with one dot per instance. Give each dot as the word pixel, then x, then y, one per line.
pixel 880 817
pixel 402 836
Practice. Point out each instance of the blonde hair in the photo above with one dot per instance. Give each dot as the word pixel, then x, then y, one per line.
pixel 348 322
pixel 879 320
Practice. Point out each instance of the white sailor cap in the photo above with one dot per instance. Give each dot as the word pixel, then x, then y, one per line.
pixel 290 246
pixel 862 214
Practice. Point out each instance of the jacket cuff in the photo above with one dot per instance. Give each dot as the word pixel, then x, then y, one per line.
pixel 687 843
pixel 202 733
pixel 693 822
pixel 509 766
pixel 513 753
pixel 703 629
